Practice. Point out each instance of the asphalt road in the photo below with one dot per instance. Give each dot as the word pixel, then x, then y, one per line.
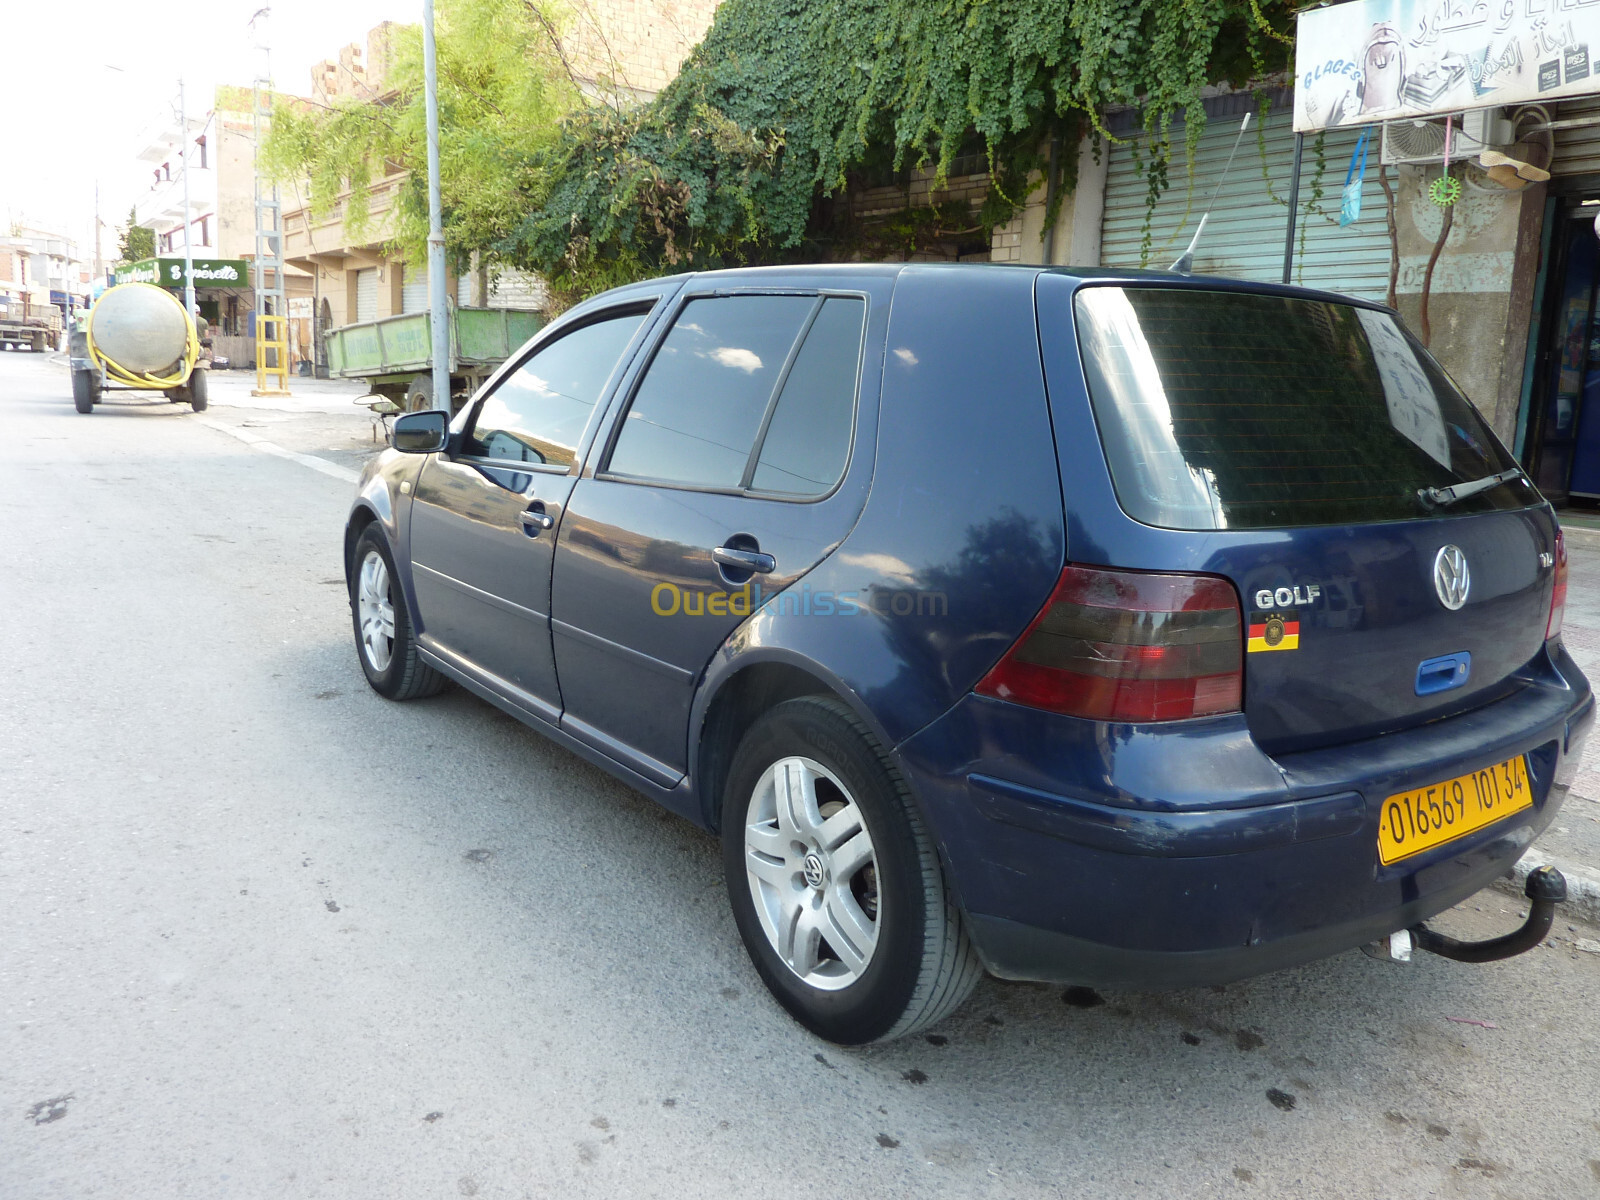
pixel 267 935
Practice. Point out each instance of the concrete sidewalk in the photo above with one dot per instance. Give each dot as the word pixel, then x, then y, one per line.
pixel 233 388
pixel 1572 843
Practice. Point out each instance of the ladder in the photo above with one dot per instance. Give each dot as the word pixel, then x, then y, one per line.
pixel 272 321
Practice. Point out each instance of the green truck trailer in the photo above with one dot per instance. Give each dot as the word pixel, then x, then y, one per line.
pixel 394 355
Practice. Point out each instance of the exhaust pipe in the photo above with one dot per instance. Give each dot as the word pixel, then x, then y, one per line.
pixel 1545 889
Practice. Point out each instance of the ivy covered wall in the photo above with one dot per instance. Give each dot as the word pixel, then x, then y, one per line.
pixel 742 158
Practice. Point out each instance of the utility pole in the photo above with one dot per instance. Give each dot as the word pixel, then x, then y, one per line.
pixel 271 311
pixel 99 266
pixel 188 255
pixel 438 316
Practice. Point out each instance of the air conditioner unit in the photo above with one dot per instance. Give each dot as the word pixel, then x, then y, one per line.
pixel 1419 142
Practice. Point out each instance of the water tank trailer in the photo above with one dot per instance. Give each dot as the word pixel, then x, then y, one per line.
pixel 137 338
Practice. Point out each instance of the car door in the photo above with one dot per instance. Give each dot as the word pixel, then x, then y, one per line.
pixel 723 482
pixel 483 520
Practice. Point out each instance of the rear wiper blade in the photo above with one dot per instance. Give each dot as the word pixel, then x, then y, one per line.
pixel 1443 497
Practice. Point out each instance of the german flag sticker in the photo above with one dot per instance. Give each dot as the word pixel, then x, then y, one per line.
pixel 1274 631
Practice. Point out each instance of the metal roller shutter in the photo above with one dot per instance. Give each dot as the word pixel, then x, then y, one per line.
pixel 1578 149
pixel 414 289
pixel 1244 238
pixel 367 294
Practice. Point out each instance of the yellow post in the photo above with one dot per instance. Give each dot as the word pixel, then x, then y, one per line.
pixel 272 338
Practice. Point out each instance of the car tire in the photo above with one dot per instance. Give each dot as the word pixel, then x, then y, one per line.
pixel 800 879
pixel 83 391
pixel 384 642
pixel 199 390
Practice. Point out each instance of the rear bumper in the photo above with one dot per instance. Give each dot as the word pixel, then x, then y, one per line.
pixel 1014 950
pixel 1175 856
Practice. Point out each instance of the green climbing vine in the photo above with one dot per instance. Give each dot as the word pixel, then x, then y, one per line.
pixel 1312 204
pixel 784 107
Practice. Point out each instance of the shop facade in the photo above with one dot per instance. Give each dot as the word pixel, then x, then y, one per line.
pixel 1559 425
pixel 224 292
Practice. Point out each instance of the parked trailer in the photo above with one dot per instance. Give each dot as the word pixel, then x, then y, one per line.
pixel 138 338
pixel 36 328
pixel 394 355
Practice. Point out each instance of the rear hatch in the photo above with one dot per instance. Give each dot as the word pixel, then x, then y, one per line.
pixel 1308 440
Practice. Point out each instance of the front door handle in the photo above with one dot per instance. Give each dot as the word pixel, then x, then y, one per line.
pixel 745 560
pixel 534 518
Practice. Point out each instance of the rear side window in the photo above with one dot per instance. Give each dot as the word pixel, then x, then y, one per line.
pixel 698 410
pixel 537 414
pixel 1232 410
pixel 808 440
pixel 748 393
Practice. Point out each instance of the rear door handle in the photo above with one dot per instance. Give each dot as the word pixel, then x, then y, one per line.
pixel 745 560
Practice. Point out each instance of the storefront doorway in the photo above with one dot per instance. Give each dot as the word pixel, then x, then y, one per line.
pixel 1563 446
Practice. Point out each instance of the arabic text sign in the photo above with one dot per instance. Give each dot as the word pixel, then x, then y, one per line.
pixel 1380 60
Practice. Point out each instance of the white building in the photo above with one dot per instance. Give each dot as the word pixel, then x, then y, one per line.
pixel 40 268
pixel 161 206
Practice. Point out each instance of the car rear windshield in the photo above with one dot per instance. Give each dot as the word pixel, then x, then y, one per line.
pixel 1237 410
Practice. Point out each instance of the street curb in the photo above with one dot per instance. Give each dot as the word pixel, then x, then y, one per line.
pixel 260 443
pixel 1583 884
pixel 1577 535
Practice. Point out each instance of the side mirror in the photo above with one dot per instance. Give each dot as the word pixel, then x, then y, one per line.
pixel 422 432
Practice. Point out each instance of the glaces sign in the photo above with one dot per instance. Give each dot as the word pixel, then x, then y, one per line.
pixel 1380 60
pixel 168 272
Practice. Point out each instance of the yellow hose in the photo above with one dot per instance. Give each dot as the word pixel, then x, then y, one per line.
pixel 143 379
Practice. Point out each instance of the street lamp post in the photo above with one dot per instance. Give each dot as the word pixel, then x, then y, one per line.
pixel 183 158
pixel 438 317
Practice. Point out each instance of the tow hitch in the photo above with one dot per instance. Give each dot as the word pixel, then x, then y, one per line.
pixel 1545 889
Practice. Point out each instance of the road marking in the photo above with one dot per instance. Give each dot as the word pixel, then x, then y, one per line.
pixel 261 443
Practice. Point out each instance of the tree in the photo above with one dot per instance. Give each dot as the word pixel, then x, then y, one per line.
pixel 136 241
pixel 503 89
pixel 784 104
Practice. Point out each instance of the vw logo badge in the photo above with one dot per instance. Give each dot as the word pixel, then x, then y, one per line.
pixel 813 870
pixel 1451 577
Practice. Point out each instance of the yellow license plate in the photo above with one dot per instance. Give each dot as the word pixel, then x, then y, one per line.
pixel 1419 820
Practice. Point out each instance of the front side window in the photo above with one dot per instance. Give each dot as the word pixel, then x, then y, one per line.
pixel 538 413
pixel 748 392
pixel 1238 410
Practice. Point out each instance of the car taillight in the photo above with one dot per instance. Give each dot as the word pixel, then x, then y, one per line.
pixel 1558 593
pixel 1128 646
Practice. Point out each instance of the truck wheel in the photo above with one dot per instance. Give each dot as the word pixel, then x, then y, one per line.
pixel 199 395
pixel 83 391
pixel 419 396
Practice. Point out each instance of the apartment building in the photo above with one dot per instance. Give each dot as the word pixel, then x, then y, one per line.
pixel 627 48
pixel 40 269
pixel 217 149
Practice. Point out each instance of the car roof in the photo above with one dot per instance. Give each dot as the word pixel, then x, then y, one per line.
pixel 771 275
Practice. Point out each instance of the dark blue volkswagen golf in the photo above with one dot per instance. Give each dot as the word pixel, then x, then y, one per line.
pixel 1120 629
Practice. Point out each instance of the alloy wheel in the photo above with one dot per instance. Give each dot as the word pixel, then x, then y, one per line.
pixel 375 611
pixel 813 873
